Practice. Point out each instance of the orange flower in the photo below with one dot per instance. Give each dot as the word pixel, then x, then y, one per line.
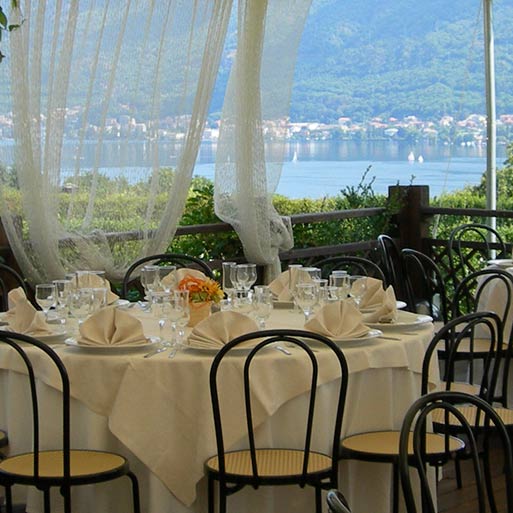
pixel 201 290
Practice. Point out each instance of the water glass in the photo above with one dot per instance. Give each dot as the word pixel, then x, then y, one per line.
pixel 179 314
pixel 242 301
pixel 340 281
pixel 262 305
pixel 98 298
pixel 46 296
pixel 245 275
pixel 306 298
pixel 358 286
pixel 63 289
pixel 80 302
pixel 160 309
pixel 166 280
pixel 150 279
pixel 227 284
pixel 321 285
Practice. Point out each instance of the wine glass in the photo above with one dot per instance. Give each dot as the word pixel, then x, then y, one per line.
pixel 242 301
pixel 161 309
pixel 80 301
pixel 179 314
pixel 358 286
pixel 62 291
pixel 150 279
pixel 98 298
pixel 262 305
pixel 166 280
pixel 228 285
pixel 246 275
pixel 46 296
pixel 306 298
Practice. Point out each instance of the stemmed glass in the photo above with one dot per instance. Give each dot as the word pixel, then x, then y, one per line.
pixel 80 303
pixel 179 314
pixel 46 297
pixel 63 289
pixel 228 286
pixel 161 309
pixel 166 281
pixel 306 298
pixel 358 286
pixel 150 279
pixel 262 305
pixel 246 275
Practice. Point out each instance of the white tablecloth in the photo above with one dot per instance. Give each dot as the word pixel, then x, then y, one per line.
pixel 157 412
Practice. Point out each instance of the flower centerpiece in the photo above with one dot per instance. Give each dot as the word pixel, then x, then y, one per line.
pixel 202 293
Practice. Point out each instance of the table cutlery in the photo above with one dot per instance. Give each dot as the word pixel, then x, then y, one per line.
pixel 282 350
pixel 388 338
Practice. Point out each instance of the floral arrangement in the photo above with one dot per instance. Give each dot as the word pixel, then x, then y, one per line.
pixel 201 290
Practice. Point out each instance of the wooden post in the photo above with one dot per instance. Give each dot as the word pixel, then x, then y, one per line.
pixel 412 225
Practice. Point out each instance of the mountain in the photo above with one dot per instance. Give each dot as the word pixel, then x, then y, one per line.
pixel 365 58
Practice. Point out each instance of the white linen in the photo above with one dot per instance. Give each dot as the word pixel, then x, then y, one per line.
pixel 282 286
pixel 24 318
pixel 90 280
pixel 387 311
pixel 111 326
pixel 374 294
pixel 219 328
pixel 13 297
pixel 340 319
pixel 176 276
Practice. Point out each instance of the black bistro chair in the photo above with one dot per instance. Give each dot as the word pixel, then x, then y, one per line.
pixel 131 278
pixel 9 279
pixel 61 467
pixel 493 434
pixel 255 466
pixel 393 266
pixel 351 264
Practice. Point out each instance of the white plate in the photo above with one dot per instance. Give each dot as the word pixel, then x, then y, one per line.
pixel 121 303
pixel 112 349
pixel 51 338
pixel 399 305
pixel 372 333
pixel 501 262
pixel 405 320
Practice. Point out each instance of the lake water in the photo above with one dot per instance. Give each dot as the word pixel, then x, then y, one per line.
pixel 313 169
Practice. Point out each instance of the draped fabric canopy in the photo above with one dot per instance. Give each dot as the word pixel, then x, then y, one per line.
pixel 111 80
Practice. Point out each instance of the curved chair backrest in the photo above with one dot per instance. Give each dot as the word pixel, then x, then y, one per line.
pixel 24 346
pixel 425 285
pixel 451 337
pixel 337 502
pixel 9 279
pixel 414 430
pixel 470 246
pixel 393 266
pixel 351 264
pixel 240 378
pixel 131 276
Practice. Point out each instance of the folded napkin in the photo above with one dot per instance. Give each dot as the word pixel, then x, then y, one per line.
pixel 111 326
pixel 340 319
pixel 94 281
pixel 374 294
pixel 282 286
pixel 26 319
pixel 14 296
pixel 175 277
pixel 221 327
pixel 387 312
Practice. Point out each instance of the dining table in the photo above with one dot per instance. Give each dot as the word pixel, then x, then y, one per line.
pixel 156 411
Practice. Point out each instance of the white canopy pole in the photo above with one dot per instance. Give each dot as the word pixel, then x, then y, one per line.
pixel 491 128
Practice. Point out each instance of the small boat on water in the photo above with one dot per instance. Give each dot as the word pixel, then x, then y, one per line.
pixel 420 159
pixel 411 157
pixel 294 157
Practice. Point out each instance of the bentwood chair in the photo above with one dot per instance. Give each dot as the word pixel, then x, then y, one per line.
pixel 425 285
pixel 393 266
pixel 9 279
pixel 351 264
pixel 383 446
pixel 470 246
pixel 297 464
pixel 337 502
pixel 493 434
pixel 60 467
pixel 131 278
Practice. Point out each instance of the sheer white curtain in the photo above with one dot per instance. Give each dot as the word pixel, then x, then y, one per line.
pixel 101 83
pixel 256 109
pixel 110 99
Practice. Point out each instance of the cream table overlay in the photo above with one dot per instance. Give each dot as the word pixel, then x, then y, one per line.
pixel 157 412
